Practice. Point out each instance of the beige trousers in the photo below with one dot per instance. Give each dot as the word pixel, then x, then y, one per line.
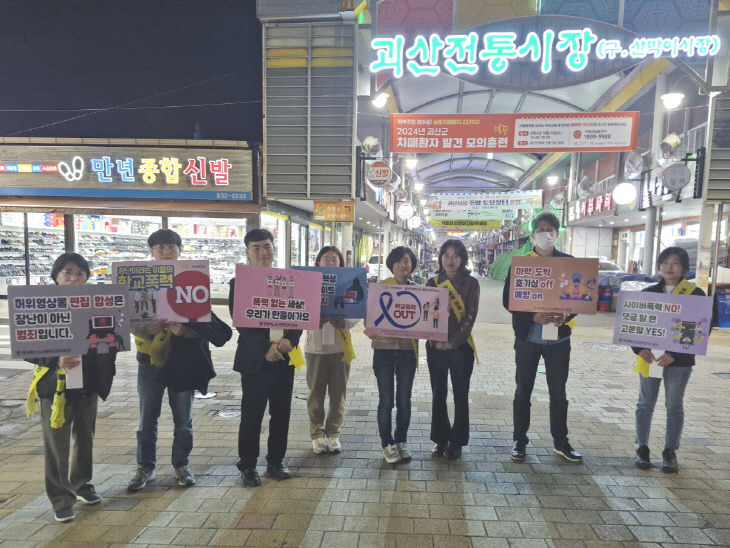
pixel 326 373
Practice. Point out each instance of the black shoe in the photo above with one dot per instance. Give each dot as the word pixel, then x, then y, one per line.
pixel 438 450
pixel 278 471
pixel 453 452
pixel 250 477
pixel 642 458
pixel 669 465
pixel 518 452
pixel 566 451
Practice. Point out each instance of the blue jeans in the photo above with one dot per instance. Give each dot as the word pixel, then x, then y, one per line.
pixel 675 381
pixel 151 393
pixel 387 365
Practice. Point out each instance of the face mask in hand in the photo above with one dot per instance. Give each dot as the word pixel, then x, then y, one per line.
pixel 544 240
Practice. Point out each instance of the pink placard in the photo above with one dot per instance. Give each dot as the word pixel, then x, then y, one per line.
pixel 408 311
pixel 276 298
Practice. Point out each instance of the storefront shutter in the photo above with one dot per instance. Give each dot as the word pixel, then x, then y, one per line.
pixel 718 183
pixel 309 97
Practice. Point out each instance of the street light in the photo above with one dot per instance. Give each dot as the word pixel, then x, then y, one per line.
pixel 624 193
pixel 380 100
pixel 552 180
pixel 411 163
pixel 672 100
pixel 418 186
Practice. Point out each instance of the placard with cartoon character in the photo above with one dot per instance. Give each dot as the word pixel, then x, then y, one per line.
pixel 553 284
pixel 175 291
pixel 277 298
pixel 678 323
pixel 344 291
pixel 54 320
pixel 408 311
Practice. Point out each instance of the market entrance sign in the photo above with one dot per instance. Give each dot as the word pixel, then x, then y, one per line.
pixel 126 172
pixel 532 52
pixel 553 132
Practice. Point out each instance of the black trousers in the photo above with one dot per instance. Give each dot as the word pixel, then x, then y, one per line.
pixel 272 384
pixel 557 363
pixel 460 363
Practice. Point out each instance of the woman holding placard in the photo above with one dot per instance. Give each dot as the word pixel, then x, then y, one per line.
pixel 328 353
pixel 395 358
pixel 673 264
pixel 68 413
pixel 455 356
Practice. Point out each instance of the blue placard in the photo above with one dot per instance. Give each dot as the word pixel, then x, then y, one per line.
pixel 344 291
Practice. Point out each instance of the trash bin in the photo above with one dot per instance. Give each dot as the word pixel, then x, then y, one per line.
pixel 723 307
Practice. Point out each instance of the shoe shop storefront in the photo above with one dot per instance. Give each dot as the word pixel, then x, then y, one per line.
pixel 103 197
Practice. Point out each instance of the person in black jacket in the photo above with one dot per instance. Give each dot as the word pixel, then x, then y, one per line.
pixel 70 413
pixel 262 359
pixel 673 264
pixel 530 346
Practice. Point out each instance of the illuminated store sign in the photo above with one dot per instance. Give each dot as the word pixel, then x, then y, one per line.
pixel 553 44
pixel 141 172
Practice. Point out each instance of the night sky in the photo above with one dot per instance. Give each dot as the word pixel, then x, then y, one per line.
pixel 60 54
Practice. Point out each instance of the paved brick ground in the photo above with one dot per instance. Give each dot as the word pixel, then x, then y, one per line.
pixel 357 500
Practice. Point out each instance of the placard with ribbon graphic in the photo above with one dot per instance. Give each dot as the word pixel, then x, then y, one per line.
pixel 174 291
pixel 55 320
pixel 553 284
pixel 678 323
pixel 277 298
pixel 408 311
pixel 344 291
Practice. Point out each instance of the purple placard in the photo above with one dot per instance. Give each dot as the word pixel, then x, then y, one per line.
pixel 678 323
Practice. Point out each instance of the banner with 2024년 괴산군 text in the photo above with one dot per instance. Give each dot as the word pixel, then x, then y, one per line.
pixel 344 291
pixel 543 132
pixel 55 320
pixel 174 291
pixel 553 284
pixel 678 323
pixel 278 298
pixel 408 311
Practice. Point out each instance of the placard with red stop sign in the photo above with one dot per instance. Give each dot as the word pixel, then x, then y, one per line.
pixel 173 291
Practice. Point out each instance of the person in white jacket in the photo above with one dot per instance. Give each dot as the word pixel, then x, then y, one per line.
pixel 328 354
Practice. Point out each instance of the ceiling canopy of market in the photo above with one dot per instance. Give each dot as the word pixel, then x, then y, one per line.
pixel 496 74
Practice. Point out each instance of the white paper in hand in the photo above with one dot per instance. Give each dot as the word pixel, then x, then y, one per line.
pixel 550 332
pixel 656 371
pixel 75 376
pixel 328 334
pixel 275 335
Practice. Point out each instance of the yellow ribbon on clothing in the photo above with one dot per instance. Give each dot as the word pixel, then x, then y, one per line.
pixel 155 346
pixel 685 287
pixel 456 304
pixel 345 340
pixel 58 407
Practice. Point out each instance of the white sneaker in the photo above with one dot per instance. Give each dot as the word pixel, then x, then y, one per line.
pixel 405 454
pixel 319 446
pixel 390 454
pixel 333 445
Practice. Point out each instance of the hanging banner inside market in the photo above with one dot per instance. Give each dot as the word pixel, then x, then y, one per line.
pixel 544 132
pixel 480 211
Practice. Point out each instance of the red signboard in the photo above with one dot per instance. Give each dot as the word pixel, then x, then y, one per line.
pixel 552 132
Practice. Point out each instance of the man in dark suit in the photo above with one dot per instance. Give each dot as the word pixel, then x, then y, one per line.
pixel 262 359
